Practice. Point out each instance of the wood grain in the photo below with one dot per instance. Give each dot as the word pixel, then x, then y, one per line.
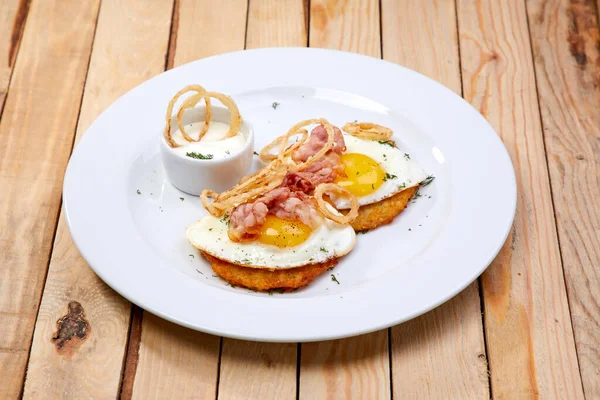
pixel 206 28
pixel 276 23
pixel 43 103
pixel 254 370
pixel 349 25
pixel 175 362
pixel 356 367
pixel 527 323
pixel 442 353
pixel 73 371
pixel 566 48
pixel 13 14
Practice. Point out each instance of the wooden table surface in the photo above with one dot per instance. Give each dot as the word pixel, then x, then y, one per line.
pixel 528 328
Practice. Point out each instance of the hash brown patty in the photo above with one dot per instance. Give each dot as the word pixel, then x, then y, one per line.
pixel 265 279
pixel 371 216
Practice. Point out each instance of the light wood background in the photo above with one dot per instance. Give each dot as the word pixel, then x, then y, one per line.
pixel 528 328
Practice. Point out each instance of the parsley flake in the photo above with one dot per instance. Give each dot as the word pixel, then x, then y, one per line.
pixel 323 249
pixel 181 198
pixel 333 278
pixel 407 156
pixel 199 156
pixel 386 142
pixel 275 105
pixel 255 153
pixel 427 180
pixel 138 191
pixel 389 176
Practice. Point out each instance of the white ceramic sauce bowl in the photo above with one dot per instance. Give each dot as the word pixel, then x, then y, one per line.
pixel 193 175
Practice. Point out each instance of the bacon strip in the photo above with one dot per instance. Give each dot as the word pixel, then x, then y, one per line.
pixel 291 201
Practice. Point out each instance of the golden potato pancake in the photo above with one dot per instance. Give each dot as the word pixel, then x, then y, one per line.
pixel 371 216
pixel 265 279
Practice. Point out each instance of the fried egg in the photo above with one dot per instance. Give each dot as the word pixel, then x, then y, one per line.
pixel 375 171
pixel 281 244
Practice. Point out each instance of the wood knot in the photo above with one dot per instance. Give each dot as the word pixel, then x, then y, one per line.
pixel 71 325
pixel 580 157
pixel 266 359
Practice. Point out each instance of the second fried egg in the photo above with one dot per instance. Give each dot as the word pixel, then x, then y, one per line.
pixel 376 170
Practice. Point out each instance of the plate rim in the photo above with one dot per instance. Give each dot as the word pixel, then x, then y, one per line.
pixel 385 324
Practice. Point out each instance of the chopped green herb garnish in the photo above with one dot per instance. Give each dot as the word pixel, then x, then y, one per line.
pixel 410 230
pixel 363 231
pixel 225 219
pixel 333 278
pixel 407 156
pixel 417 195
pixel 181 198
pixel 275 105
pixel 323 249
pixel 427 180
pixel 191 255
pixel 310 259
pixel 387 142
pixel 199 156
pixel 389 176
pixel 138 191
pixel 227 152
pixel 255 153
pixel 403 186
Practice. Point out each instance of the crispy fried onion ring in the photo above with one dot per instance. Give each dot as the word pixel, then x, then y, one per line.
pixel 368 130
pixel 235 122
pixel 323 205
pixel 266 155
pixel 285 151
pixel 190 102
pixel 261 182
pixel 269 177
pixel 190 88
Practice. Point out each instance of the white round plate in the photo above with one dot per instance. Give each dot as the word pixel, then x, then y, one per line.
pixel 433 250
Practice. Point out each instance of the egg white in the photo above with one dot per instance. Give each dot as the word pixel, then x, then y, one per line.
pixel 393 161
pixel 327 241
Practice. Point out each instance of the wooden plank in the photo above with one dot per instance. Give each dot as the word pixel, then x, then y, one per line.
pixel 530 342
pixel 13 14
pixel 566 48
pixel 253 370
pixel 442 353
pixel 40 107
pixel 349 25
pixel 356 367
pixel 205 28
pixel 72 371
pixel 176 362
pixel 276 23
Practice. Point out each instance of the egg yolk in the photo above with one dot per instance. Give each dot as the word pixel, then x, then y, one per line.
pixel 283 233
pixel 363 174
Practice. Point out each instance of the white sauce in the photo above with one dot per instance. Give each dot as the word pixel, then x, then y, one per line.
pixel 210 143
